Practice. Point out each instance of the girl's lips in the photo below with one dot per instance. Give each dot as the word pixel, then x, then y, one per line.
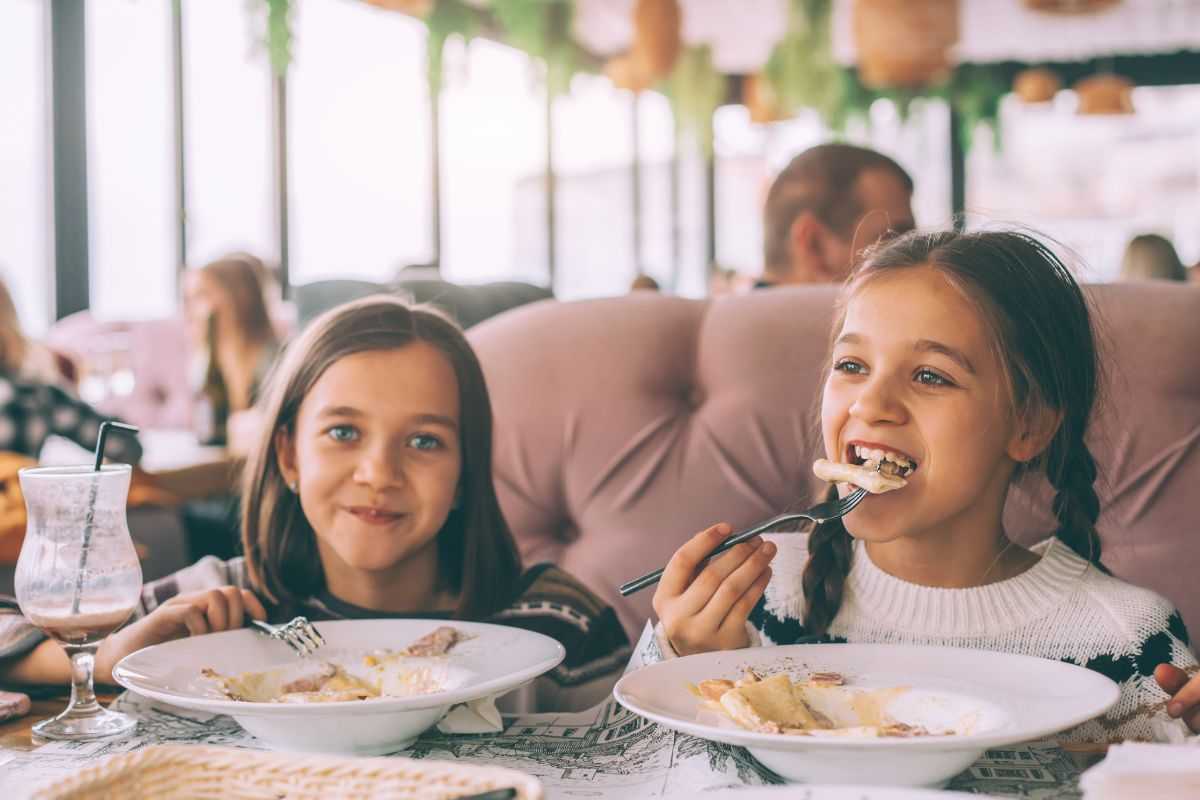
pixel 374 516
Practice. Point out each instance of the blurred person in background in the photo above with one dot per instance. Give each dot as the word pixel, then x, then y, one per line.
pixel 36 400
pixel 235 344
pixel 1151 257
pixel 642 282
pixel 828 204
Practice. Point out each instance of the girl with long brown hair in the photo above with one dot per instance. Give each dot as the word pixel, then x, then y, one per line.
pixel 369 494
pixel 969 357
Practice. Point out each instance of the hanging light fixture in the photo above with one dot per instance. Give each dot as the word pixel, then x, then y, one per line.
pixel 1036 85
pixel 1105 94
pixel 904 44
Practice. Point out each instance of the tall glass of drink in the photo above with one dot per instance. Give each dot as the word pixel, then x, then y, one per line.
pixel 78 579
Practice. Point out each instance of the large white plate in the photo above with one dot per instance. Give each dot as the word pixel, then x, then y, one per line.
pixel 495 660
pixel 1018 698
pixel 839 793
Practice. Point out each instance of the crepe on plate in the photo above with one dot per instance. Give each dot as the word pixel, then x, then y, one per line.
pixel 383 673
pixel 779 705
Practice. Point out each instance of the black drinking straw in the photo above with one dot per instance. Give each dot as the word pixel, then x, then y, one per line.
pixel 90 519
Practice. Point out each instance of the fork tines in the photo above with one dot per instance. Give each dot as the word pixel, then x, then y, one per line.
pixel 301 636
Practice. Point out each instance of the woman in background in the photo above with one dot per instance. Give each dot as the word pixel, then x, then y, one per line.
pixel 34 403
pixel 225 308
pixel 1151 257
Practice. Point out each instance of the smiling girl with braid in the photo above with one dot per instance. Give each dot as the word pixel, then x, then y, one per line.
pixel 970 359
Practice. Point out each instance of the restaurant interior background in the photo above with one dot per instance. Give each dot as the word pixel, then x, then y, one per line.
pixel 178 150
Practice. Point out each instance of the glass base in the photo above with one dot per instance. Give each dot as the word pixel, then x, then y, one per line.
pixel 87 726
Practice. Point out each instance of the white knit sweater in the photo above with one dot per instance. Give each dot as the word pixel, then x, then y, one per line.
pixel 1061 608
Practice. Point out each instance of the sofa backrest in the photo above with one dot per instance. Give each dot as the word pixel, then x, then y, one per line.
pixel 625 425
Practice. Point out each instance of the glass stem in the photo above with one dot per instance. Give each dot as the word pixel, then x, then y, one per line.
pixel 83 694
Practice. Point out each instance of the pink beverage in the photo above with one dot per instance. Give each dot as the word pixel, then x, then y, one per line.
pixel 81 629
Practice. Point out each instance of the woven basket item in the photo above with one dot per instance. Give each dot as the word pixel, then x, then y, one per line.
pixel 166 772
pixel 904 43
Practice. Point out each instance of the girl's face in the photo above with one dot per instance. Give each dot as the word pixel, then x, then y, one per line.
pixel 913 372
pixel 375 453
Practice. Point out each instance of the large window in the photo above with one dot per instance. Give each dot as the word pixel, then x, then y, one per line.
pixel 131 177
pixel 227 134
pixel 358 138
pixel 24 161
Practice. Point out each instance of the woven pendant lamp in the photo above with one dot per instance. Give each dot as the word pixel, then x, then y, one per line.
pixel 904 43
pixel 1105 94
pixel 1036 85
pixel 416 8
pixel 1070 6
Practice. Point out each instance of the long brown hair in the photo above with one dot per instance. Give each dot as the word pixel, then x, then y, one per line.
pixel 13 345
pixel 477 558
pixel 241 277
pixel 1042 333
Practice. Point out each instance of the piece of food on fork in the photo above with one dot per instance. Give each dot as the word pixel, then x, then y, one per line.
pixel 874 469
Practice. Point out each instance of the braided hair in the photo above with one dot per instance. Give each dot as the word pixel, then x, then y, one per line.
pixel 1042 335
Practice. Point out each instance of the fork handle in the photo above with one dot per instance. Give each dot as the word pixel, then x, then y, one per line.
pixel 649 579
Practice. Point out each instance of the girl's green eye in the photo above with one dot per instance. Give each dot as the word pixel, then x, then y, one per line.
pixel 931 378
pixel 424 441
pixel 343 433
pixel 849 366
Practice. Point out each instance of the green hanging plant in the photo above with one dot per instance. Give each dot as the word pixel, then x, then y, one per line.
pixel 801 71
pixel 448 17
pixel 279 34
pixel 542 28
pixel 695 90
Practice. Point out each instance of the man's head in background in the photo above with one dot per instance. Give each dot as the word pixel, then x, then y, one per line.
pixel 829 203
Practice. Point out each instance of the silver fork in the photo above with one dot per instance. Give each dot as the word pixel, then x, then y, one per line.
pixel 299 634
pixel 822 512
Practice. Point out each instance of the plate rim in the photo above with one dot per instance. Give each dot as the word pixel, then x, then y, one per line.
pixel 124 675
pixel 772 741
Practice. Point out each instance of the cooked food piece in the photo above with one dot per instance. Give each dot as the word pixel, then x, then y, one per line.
pixel 771 706
pixel 826 679
pixel 872 480
pixel 435 643
pixel 378 674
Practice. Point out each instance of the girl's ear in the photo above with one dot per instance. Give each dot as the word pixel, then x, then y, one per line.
pixel 285 456
pixel 1034 432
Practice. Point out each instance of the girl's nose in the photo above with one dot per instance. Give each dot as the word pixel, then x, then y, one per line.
pixel 878 403
pixel 379 469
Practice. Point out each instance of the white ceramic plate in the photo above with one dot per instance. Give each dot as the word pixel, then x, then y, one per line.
pixel 1007 698
pixel 495 660
pixel 839 793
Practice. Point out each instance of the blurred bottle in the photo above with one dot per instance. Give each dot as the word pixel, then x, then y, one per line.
pixel 210 403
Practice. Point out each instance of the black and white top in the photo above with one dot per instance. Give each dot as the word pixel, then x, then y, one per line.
pixel 31 411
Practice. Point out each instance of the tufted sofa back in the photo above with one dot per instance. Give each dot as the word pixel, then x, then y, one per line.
pixel 625 425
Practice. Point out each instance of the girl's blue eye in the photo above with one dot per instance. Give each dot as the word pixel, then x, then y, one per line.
pixel 424 441
pixel 343 433
pixel 849 366
pixel 930 378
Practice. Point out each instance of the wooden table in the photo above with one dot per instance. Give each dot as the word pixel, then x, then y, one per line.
pixel 16 734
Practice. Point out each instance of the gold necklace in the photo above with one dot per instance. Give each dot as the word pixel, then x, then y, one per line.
pixel 995 561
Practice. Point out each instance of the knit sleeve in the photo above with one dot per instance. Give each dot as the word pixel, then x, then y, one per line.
pixel 1141 711
pixel 18 635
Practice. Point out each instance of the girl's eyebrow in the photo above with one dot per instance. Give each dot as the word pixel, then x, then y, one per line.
pixel 957 356
pixel 426 418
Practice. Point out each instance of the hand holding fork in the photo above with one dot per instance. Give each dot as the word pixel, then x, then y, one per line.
pixel 703 604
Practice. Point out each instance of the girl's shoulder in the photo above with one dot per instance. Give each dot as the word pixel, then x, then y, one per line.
pixel 550 601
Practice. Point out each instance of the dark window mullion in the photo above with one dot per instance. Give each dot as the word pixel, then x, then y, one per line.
pixel 72 290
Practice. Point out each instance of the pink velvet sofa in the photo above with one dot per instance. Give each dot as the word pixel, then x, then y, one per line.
pixel 626 425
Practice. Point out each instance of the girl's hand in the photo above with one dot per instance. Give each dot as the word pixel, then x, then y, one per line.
pixel 708 611
pixel 206 611
pixel 1185 694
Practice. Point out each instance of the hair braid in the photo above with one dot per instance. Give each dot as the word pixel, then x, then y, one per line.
pixel 829 551
pixel 1072 472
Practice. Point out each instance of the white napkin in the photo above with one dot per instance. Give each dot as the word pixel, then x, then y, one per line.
pixel 1133 770
pixel 475 716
